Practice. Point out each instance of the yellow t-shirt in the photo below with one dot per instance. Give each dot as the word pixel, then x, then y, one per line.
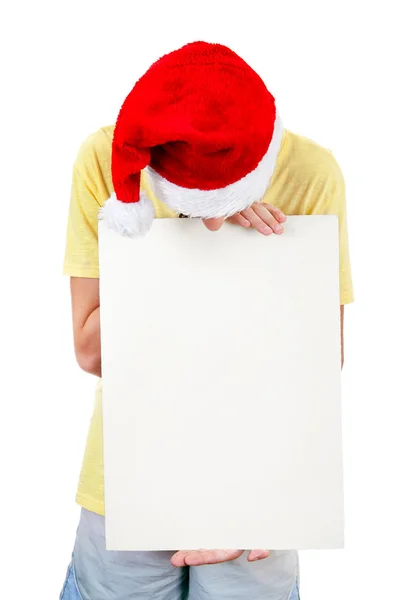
pixel 307 180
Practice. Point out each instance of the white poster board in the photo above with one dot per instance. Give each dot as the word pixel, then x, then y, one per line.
pixel 221 387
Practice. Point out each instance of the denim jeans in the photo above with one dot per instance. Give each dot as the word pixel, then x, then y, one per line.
pixel 98 574
pixel 70 590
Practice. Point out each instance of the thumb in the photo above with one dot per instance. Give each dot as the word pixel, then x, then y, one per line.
pixel 214 224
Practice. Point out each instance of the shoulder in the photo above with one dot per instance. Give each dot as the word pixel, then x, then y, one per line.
pixel 95 151
pixel 310 163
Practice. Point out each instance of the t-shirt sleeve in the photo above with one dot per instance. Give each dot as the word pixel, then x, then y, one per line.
pixel 335 203
pixel 81 250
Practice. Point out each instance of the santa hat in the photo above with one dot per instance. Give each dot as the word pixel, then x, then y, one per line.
pixel 204 126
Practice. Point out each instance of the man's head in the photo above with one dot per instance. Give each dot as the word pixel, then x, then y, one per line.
pixel 204 126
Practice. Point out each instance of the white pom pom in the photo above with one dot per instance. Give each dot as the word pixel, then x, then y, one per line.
pixel 129 219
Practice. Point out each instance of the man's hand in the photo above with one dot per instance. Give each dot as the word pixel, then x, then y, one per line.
pixel 197 558
pixel 263 217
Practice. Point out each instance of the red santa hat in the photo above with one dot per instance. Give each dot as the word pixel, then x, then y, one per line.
pixel 204 126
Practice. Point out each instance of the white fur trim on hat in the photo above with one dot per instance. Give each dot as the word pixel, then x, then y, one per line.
pixel 222 202
pixel 129 219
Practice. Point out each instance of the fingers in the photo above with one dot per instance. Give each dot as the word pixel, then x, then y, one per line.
pixel 264 218
pixel 177 560
pixel 257 222
pixel 258 555
pixel 211 557
pixel 239 219
pixel 197 558
pixel 277 213
pixel 216 224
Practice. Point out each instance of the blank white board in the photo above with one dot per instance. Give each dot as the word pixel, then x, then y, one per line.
pixel 221 387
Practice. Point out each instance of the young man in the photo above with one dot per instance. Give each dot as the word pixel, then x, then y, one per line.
pixel 199 135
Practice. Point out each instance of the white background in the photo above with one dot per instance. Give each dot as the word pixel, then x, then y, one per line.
pixel 338 75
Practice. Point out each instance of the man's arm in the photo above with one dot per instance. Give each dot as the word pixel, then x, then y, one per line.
pixel 86 323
